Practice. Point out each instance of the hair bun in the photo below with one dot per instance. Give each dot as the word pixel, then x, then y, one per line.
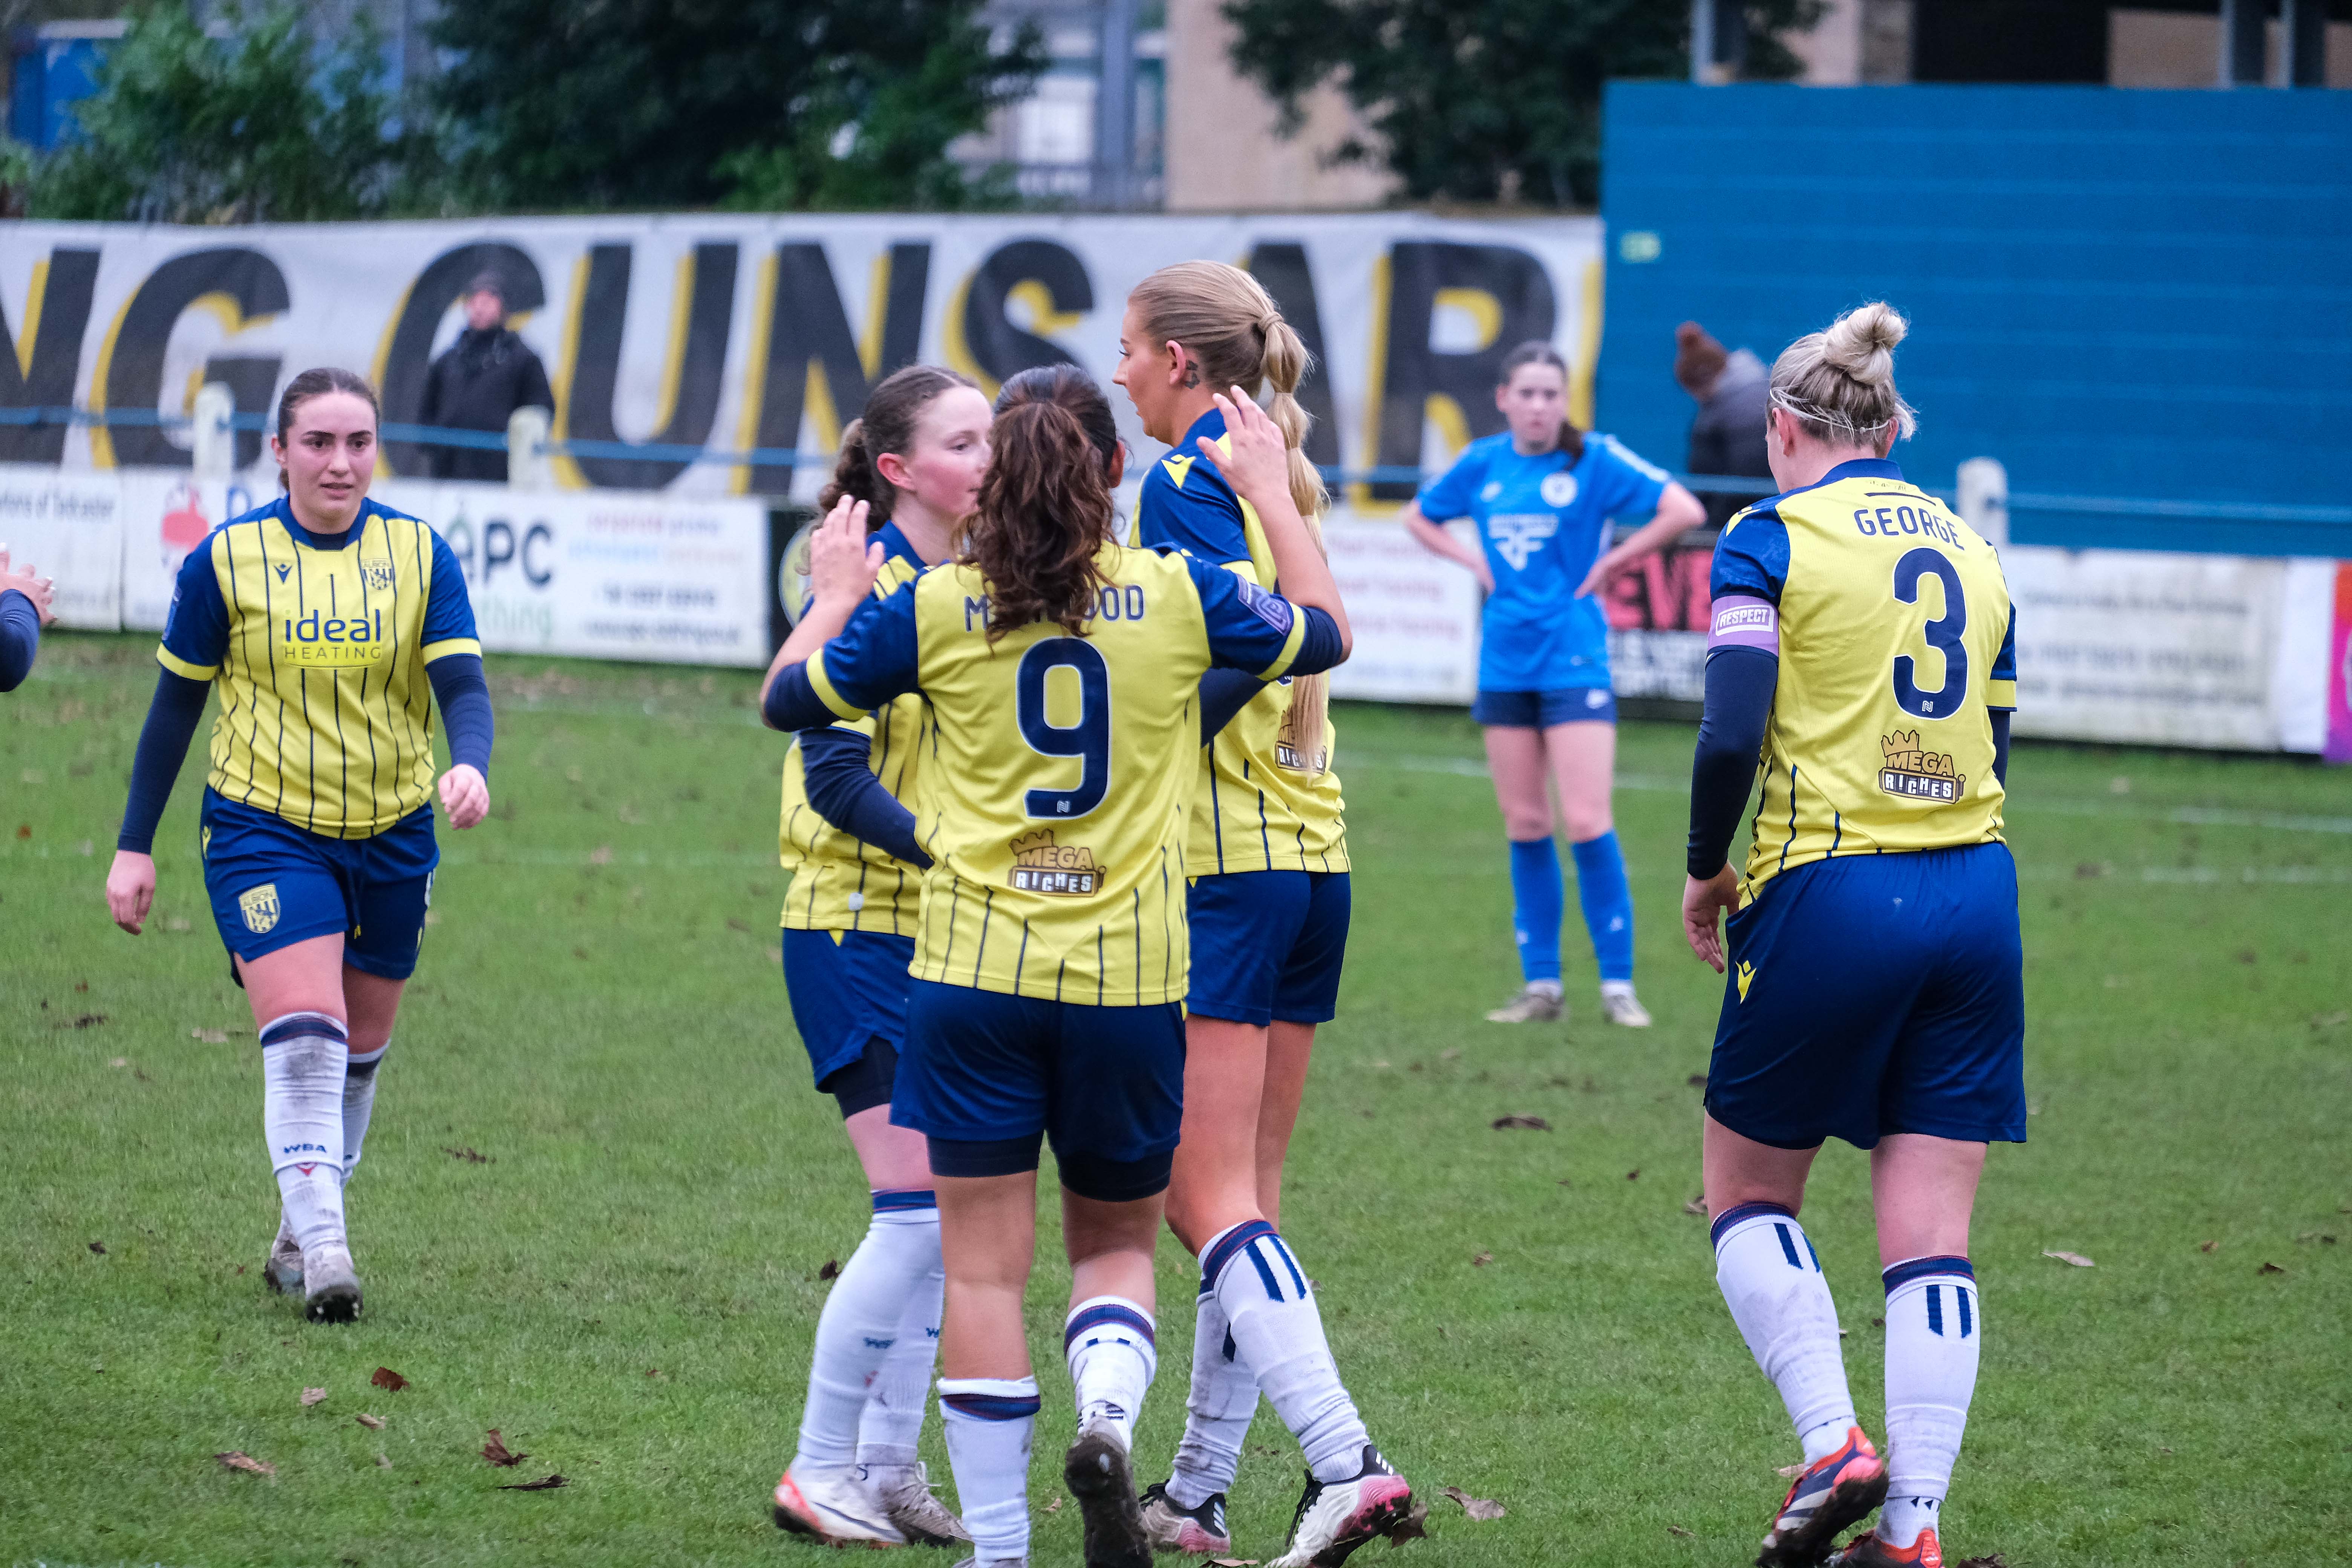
pixel 1862 342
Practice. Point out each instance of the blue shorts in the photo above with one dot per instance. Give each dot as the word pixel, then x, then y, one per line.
pixel 1542 710
pixel 995 1073
pixel 847 988
pixel 1268 946
pixel 273 884
pixel 1876 994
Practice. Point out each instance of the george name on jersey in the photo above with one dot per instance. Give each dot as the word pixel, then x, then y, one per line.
pixel 1887 521
pixel 1042 866
pixel 316 639
pixel 1910 773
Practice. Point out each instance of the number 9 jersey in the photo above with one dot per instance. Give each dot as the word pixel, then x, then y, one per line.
pixel 1896 640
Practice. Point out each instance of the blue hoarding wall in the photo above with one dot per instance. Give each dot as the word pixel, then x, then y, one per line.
pixel 2117 293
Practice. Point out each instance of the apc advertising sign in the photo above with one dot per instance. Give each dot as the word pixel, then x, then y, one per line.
pixel 733 334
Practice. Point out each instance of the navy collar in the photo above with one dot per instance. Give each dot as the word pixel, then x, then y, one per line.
pixel 895 546
pixel 282 509
pixel 1211 425
pixel 1852 469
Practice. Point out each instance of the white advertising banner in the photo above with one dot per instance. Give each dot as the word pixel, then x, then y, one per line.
pixel 1414 617
pixel 69 529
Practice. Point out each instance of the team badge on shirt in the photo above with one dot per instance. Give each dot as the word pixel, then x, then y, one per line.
pixel 377 575
pixel 1558 488
pixel 259 906
pixel 1917 774
pixel 1518 535
pixel 1042 866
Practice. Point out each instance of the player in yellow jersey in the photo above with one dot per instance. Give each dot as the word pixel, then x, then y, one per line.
pixel 1863 647
pixel 330 623
pixel 916 456
pixel 1270 903
pixel 1063 673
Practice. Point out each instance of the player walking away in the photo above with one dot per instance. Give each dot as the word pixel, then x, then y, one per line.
pixel 1050 963
pixel 1862 642
pixel 1544 495
pixel 916 459
pixel 24 600
pixel 1269 856
pixel 322 618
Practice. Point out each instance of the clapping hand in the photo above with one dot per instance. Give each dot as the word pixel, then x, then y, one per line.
pixel 843 559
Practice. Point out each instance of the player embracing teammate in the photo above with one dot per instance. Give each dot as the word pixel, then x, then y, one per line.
pixel 1863 643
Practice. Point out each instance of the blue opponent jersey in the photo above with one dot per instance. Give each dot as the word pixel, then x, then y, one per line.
pixel 1543 521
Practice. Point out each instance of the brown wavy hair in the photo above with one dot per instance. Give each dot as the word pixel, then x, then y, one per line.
pixel 1044 513
pixel 1074 390
pixel 887 424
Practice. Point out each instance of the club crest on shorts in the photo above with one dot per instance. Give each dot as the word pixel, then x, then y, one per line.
pixel 1042 866
pixel 377 575
pixel 1558 488
pixel 1912 774
pixel 259 907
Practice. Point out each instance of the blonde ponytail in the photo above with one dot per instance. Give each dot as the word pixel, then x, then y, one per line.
pixel 1840 384
pixel 1234 332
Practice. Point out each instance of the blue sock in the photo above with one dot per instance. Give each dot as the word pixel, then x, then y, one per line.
pixel 1538 902
pixel 1608 901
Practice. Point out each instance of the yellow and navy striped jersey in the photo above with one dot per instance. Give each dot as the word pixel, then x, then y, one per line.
pixel 1896 640
pixel 319 644
pixel 1261 806
pixel 1058 776
pixel 840 882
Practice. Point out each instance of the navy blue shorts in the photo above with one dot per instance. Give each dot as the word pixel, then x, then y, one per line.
pixel 847 988
pixel 1542 710
pixel 1268 946
pixel 997 1073
pixel 1876 994
pixel 274 884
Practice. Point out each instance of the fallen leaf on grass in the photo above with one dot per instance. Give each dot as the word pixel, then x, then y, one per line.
pixel 495 1451
pixel 2076 1259
pixel 24 830
pixel 1632 1175
pixel 1990 1559
pixel 1055 1506
pixel 1697 1081
pixel 99 1247
pixel 2269 1269
pixel 545 1484
pixel 210 1037
pixel 1532 1123
pixel 600 855
pixel 311 1396
pixel 385 1378
pixel 1878 1323
pixel 1452 1055
pixel 1789 1472
pixel 1697 1205
pixel 2211 1246
pixel 1678 1530
pixel 832 1268
pixel 1413 1526
pixel 87 1019
pixel 2329 1020
pixel 119 1062
pixel 2308 1237
pixel 1482 1259
pixel 383 1463
pixel 177 924
pixel 245 1462
pixel 471 1155
pixel 373 1422
pixel 1476 1506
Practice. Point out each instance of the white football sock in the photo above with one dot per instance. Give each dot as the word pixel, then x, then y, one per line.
pixel 303 1119
pixel 1217 1412
pixel 989 1421
pixel 1934 1323
pixel 1278 1330
pixel 1114 1354
pixel 359 1102
pixel 860 1324
pixel 892 1422
pixel 1772 1279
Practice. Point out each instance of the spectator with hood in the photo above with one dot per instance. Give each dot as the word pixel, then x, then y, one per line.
pixel 488 373
pixel 1727 436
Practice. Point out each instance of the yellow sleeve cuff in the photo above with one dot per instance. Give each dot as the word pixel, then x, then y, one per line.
pixel 1281 665
pixel 822 684
pixel 179 666
pixel 448 645
pixel 2000 694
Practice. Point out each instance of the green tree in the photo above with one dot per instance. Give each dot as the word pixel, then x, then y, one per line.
pixel 260 124
pixel 752 103
pixel 1483 100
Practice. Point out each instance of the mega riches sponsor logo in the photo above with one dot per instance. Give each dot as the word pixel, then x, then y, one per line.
pixel 1042 866
pixel 1911 773
pixel 1287 751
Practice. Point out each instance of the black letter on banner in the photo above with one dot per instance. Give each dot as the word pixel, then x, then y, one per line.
pixel 57 313
pixel 237 285
pixel 811 349
pixel 602 311
pixel 1282 267
pixel 400 374
pixel 1052 280
pixel 1517 291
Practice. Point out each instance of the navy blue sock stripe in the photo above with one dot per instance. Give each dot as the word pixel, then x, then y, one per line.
pixel 294 1026
pixel 1227 1248
pixel 1962 1293
pixel 894 1200
pixel 1738 1212
pixel 991 1406
pixel 1936 1310
pixel 1103 1312
pixel 1297 1279
pixel 1904 1273
pixel 1789 1246
pixel 1265 1271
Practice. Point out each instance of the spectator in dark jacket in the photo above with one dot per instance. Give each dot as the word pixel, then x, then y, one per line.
pixel 488 373
pixel 1727 436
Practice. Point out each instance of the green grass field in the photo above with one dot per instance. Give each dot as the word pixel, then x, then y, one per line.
pixel 625 1282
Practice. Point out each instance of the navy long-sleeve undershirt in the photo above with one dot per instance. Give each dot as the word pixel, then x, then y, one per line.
pixel 843 790
pixel 20 638
pixel 464 695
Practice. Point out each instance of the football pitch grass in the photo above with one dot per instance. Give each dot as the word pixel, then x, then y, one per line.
pixel 599 1193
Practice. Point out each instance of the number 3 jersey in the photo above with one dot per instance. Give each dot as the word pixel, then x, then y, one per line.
pixel 1896 640
pixel 1059 778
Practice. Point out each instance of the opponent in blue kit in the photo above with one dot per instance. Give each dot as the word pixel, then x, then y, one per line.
pixel 1864 648
pixel 1544 497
